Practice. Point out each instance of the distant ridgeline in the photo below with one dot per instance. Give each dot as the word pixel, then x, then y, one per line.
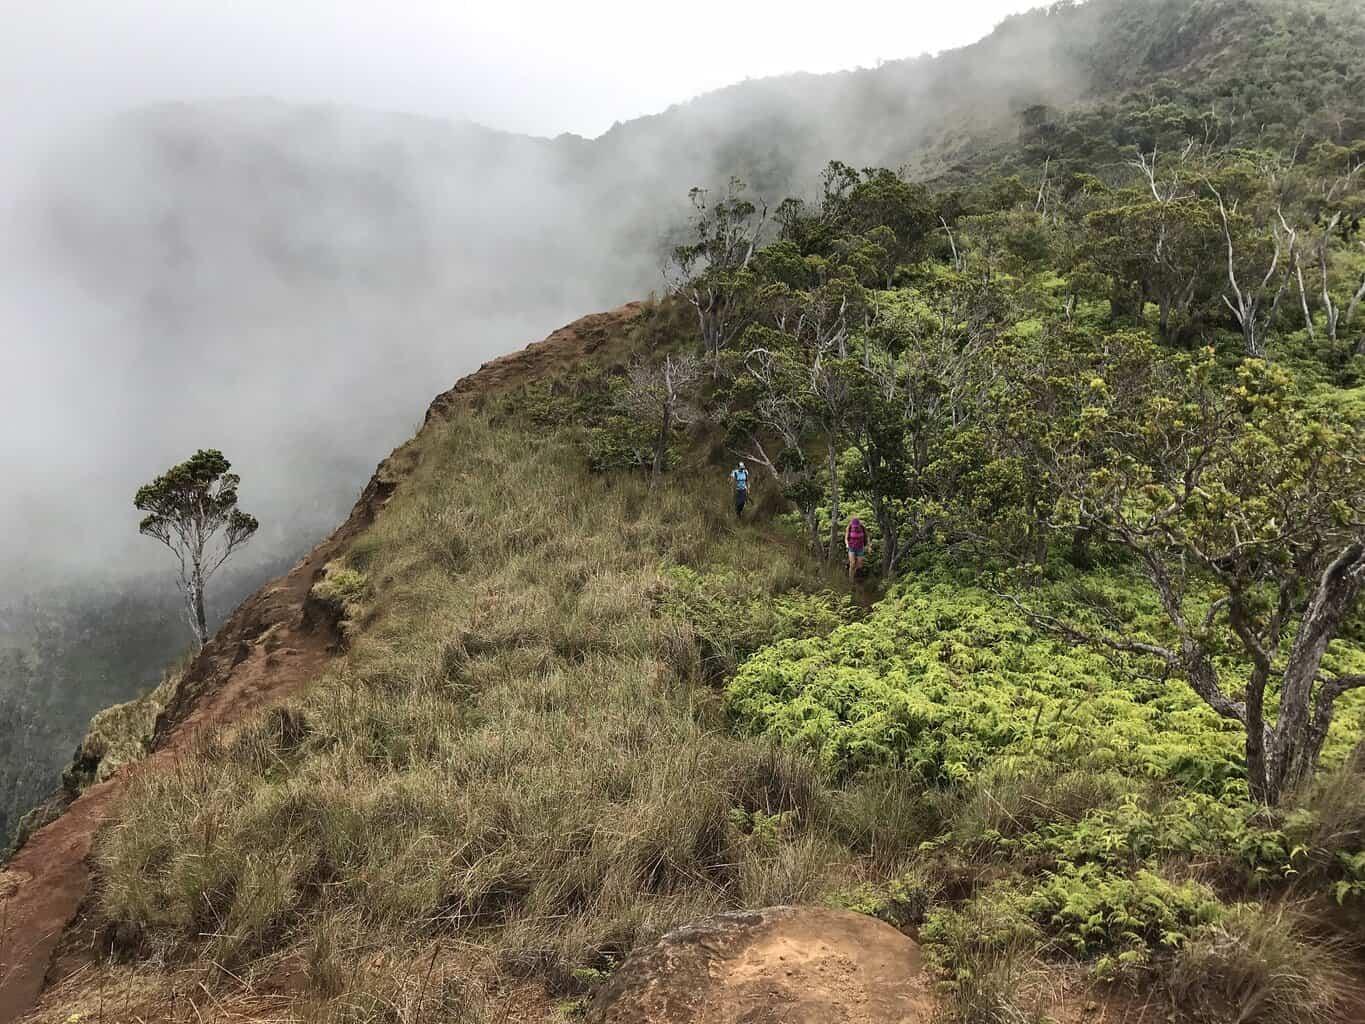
pixel 1085 82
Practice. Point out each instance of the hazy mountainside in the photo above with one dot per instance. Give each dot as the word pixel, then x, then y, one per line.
pixel 287 283
pixel 66 654
pixel 302 254
pixel 331 263
pixel 1264 70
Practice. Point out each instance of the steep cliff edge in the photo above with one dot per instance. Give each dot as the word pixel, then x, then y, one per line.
pixel 276 642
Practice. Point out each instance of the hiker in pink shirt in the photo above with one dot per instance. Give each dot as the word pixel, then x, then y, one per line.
pixel 855 539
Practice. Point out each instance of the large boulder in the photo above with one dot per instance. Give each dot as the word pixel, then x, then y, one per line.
pixel 783 965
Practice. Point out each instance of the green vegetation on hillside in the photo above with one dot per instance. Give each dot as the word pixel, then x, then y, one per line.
pixel 1107 435
pixel 525 749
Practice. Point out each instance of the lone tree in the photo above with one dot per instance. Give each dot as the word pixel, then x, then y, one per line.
pixel 1246 515
pixel 192 509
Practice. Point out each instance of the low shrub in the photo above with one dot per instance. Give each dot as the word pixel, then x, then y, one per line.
pixel 903 901
pixel 1117 920
pixel 1008 804
pixel 887 814
pixel 734 614
pixel 986 952
pixel 345 591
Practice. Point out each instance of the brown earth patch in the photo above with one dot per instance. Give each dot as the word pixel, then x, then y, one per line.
pixel 784 965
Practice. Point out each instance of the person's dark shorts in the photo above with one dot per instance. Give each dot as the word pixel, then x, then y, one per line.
pixel 741 496
pixel 857 552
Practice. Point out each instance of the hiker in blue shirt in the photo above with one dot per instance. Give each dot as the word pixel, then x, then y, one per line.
pixel 740 476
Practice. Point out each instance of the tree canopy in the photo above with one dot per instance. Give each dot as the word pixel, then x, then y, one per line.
pixel 192 510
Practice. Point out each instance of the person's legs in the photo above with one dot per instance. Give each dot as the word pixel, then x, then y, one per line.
pixel 740 498
pixel 852 564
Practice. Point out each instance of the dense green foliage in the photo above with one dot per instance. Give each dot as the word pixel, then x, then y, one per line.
pixel 1102 418
pixel 945 680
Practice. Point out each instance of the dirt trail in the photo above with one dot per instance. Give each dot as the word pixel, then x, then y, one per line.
pixel 274 643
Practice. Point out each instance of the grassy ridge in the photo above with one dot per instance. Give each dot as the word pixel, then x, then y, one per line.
pixel 516 749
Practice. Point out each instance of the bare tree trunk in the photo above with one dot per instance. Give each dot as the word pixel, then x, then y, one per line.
pixel 1303 301
pixel 1330 307
pixel 1351 315
pixel 1124 303
pixel 886 522
pixel 1295 745
pixel 833 452
pixel 1261 771
pixel 194 597
pixel 1035 538
pixel 885 515
pixel 1355 302
pixel 1080 547
pixel 661 445
pixel 812 528
pixel 1249 309
pixel 957 258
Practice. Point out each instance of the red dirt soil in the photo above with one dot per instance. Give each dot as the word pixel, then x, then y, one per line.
pixel 782 965
pixel 276 642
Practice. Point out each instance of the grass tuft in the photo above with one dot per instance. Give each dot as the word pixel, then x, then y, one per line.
pixel 1257 967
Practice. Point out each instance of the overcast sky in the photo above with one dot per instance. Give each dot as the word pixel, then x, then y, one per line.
pixel 522 65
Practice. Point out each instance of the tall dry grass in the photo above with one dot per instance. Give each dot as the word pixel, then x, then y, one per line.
pixel 517 751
